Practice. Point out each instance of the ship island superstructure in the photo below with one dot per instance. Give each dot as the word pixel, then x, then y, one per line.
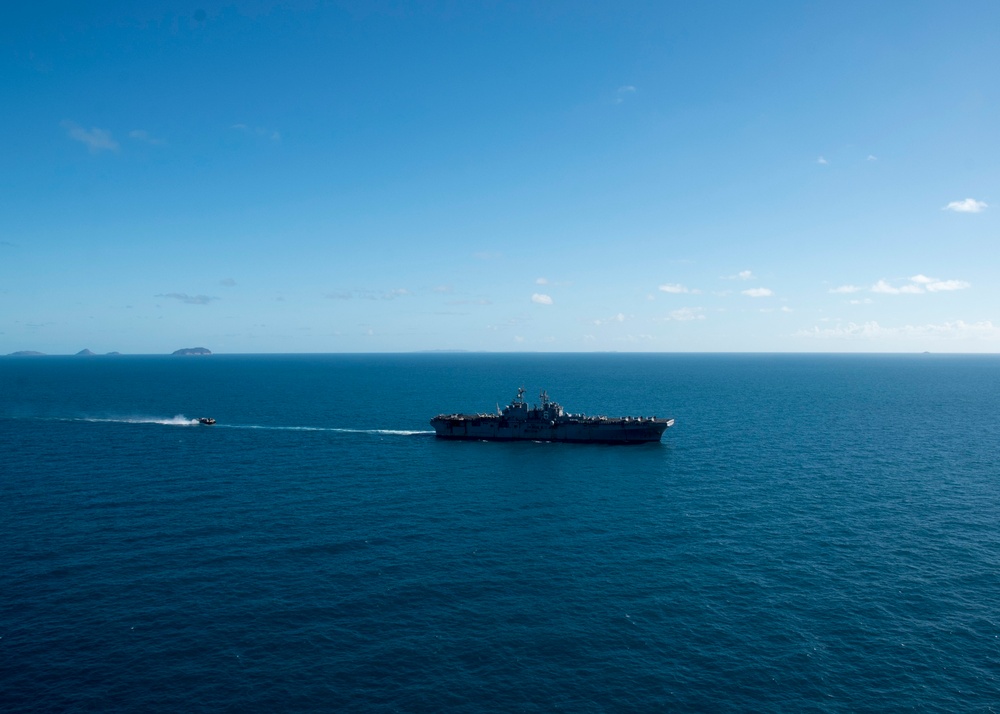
pixel 548 421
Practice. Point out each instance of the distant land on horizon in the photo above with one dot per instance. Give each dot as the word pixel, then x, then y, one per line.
pixel 198 351
pixel 90 353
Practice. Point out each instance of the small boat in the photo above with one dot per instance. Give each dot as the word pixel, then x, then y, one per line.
pixel 207 421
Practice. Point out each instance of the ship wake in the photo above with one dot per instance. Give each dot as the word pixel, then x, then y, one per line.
pixel 182 420
pixel 177 420
pixel 380 432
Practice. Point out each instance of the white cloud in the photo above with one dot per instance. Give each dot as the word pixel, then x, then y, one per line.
pixel 934 285
pixel 919 284
pixel 95 139
pixel 758 292
pixel 872 157
pixel 883 287
pixel 368 294
pixel 872 330
pixel 944 285
pixel 541 281
pixel 271 134
pixel 969 205
pixel 541 299
pixel 620 317
pixel 687 313
pixel 742 275
pixel 189 299
pixel 846 289
pixel 822 161
pixel 143 135
pixel 382 295
pixel 673 288
pixel 623 92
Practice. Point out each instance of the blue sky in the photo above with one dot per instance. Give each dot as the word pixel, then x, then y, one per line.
pixel 561 176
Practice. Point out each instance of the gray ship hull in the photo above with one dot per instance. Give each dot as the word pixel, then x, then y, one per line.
pixel 548 422
pixel 612 431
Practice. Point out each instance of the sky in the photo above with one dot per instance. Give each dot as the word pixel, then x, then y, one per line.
pixel 274 177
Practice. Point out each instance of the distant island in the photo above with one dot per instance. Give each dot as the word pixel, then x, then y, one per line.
pixel 91 353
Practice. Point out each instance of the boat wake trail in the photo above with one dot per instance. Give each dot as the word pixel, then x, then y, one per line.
pixel 177 420
pixel 387 432
pixel 181 420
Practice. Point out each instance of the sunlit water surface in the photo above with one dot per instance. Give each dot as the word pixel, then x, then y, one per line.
pixel 815 533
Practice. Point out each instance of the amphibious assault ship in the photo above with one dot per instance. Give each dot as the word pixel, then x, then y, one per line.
pixel 548 422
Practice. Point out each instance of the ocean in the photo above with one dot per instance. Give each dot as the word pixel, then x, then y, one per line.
pixel 816 533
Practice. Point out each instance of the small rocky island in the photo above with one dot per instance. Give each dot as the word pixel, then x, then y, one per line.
pixel 193 351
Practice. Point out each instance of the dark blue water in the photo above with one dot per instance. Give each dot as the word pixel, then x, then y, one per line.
pixel 817 533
